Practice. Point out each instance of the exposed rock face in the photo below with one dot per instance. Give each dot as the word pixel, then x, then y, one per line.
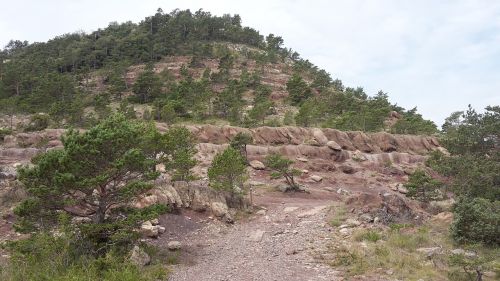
pixel 365 142
pixel 183 195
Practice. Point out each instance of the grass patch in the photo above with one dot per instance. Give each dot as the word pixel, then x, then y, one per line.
pixel 367 235
pixel 392 254
pixel 339 215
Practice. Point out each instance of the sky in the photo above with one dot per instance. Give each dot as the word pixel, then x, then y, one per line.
pixel 439 56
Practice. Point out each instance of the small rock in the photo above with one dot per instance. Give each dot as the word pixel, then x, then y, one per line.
pixel 305 171
pixel 257 165
pixel 430 252
pixel 402 190
pixel 174 245
pixel 352 222
pixel 255 183
pixel 291 252
pixel 261 212
pixel 139 257
pixel 376 220
pixel 358 156
pixel 342 191
pixel 347 169
pixel 302 159
pixel 458 251
pixel 290 209
pixel 366 218
pixel 257 235
pixel 333 145
pixel 345 231
pixel 155 222
pixel 149 230
pixel 316 178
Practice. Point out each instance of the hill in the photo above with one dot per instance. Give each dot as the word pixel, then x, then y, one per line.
pixel 187 67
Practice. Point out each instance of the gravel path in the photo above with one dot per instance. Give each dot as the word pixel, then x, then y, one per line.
pixel 279 244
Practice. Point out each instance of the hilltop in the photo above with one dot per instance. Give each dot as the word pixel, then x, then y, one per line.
pixel 187 67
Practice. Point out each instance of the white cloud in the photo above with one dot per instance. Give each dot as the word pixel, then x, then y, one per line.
pixel 437 55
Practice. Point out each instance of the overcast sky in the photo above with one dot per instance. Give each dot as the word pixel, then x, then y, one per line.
pixel 436 55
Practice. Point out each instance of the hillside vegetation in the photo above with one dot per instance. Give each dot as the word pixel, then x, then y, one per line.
pixel 185 66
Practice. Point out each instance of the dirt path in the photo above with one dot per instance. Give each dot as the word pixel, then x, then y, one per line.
pixel 279 244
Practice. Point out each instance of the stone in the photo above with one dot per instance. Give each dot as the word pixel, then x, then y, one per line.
pixel 316 178
pixel 343 191
pixel 256 236
pixel 376 220
pixel 174 245
pixel 155 221
pixel 257 165
pixel 314 211
pixel 345 231
pixel 302 159
pixel 149 230
pixel 366 218
pixel 290 209
pixel 261 212
pixel 358 156
pixel 352 222
pixel 139 257
pixel 347 169
pixel 429 252
pixel 402 189
pixel 221 211
pixel 333 146
pixel 255 183
pixel 161 229
pixel 458 252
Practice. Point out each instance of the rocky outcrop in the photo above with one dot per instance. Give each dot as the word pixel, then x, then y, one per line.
pixel 195 196
pixel 328 138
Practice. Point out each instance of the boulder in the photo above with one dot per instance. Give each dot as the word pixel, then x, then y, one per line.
pixel 347 169
pixel 174 245
pixel 333 146
pixel 257 165
pixel 149 230
pixel 139 257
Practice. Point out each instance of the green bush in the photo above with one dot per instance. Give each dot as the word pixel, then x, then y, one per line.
pixel 46 257
pixel 476 220
pixel 422 187
pixel 4 133
pixel 369 235
pixel 38 122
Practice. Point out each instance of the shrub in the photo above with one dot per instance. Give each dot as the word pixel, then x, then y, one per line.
pixel 422 187
pixel 107 166
pixel 369 235
pixel 282 168
pixel 476 220
pixel 4 133
pixel 46 257
pixel 38 122
pixel 228 171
